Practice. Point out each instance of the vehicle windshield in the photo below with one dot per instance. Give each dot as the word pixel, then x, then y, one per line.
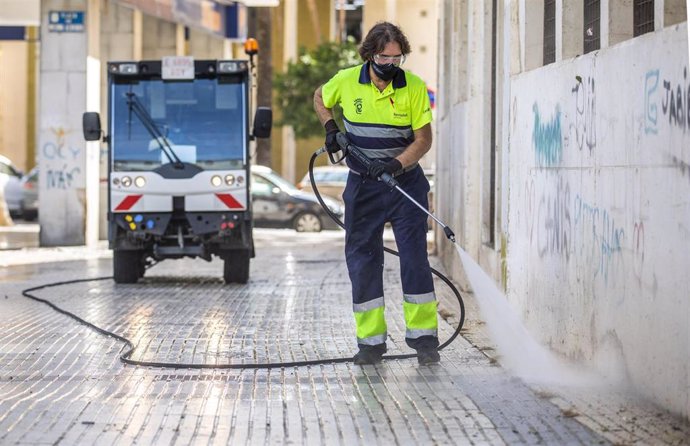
pixel 203 121
pixel 279 181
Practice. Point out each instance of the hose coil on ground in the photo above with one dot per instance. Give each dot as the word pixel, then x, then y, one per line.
pixel 126 356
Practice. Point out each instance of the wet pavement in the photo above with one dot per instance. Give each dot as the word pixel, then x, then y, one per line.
pixel 19 235
pixel 62 383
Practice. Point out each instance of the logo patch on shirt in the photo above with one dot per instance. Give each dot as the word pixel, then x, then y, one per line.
pixel 358 106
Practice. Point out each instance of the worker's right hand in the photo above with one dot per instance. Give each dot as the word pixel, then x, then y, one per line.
pixel 332 131
pixel 378 168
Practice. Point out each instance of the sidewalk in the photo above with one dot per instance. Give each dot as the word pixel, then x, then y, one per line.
pixel 20 235
pixel 19 245
pixel 63 381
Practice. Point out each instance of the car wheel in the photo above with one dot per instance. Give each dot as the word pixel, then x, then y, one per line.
pixel 307 222
pixel 30 215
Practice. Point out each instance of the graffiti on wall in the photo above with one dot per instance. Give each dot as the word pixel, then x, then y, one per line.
pixel 638 249
pixel 546 138
pixel 681 165
pixel 583 129
pixel 673 97
pixel 676 101
pixel 651 83
pixel 62 162
pixel 600 239
pixel 553 226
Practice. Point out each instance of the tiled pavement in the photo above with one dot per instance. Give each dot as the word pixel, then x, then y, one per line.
pixel 63 383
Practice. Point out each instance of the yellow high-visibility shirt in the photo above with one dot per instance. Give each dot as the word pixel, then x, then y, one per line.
pixel 379 122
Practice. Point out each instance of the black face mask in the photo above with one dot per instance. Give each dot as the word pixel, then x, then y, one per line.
pixel 385 72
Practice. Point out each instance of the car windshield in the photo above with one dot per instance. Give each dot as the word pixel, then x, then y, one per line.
pixel 9 169
pixel 279 181
pixel 328 176
pixel 203 121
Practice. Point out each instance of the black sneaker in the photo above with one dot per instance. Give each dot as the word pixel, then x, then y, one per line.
pixel 367 357
pixel 425 357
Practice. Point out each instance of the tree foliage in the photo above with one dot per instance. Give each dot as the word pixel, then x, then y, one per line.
pixel 295 87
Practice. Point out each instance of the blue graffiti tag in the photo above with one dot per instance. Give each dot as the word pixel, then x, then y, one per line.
pixel 546 138
pixel 651 82
pixel 601 240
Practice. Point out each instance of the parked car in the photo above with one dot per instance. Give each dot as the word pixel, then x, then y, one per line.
pixel 22 196
pixel 10 181
pixel 330 181
pixel 28 204
pixel 279 204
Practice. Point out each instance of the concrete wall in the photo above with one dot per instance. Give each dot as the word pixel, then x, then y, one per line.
pixel 592 173
pixel 61 148
pixel 599 239
pixel 463 129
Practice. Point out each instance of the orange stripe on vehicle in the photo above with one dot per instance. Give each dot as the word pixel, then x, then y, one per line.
pixel 230 201
pixel 128 202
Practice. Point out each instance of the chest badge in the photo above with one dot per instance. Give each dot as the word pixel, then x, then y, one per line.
pixel 358 106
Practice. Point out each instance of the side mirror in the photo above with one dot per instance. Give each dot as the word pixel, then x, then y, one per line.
pixel 91 126
pixel 263 120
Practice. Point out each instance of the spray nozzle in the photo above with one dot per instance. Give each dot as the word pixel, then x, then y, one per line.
pixel 449 233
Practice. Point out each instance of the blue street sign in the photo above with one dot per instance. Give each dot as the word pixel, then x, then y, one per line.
pixel 66 21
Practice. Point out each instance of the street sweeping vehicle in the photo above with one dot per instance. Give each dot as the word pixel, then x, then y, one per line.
pixel 178 138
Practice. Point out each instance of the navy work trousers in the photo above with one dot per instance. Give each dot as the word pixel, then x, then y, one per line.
pixel 369 204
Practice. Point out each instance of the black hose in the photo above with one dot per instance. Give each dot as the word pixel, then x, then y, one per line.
pixel 395 253
pixel 126 356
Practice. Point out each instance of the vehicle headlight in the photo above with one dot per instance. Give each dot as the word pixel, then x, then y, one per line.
pixel 140 181
pixel 216 180
pixel 126 181
pixel 229 179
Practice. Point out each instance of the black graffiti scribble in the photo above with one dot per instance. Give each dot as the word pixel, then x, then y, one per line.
pixel 585 114
pixel 676 102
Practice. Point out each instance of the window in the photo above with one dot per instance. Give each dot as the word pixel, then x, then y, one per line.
pixel 643 17
pixel 591 25
pixel 549 31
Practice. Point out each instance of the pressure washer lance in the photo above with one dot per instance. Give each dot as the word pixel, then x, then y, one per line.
pixel 350 149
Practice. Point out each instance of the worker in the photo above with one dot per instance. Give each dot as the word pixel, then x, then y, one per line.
pixel 387 115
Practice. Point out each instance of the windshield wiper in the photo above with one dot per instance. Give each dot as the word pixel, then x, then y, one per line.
pixel 150 125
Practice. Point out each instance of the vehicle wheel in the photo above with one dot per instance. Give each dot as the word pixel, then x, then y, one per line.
pixel 30 215
pixel 236 267
pixel 126 266
pixel 307 222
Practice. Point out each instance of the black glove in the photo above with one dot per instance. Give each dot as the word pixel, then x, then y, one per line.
pixel 331 131
pixel 378 168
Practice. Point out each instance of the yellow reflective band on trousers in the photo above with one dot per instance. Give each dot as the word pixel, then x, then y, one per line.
pixel 370 323
pixel 421 316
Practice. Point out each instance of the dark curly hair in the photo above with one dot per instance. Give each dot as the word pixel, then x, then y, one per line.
pixel 379 36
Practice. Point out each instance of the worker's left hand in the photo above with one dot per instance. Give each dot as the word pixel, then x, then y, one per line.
pixel 332 131
pixel 378 168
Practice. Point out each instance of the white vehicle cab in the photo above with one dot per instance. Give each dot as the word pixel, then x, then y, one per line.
pixel 178 137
